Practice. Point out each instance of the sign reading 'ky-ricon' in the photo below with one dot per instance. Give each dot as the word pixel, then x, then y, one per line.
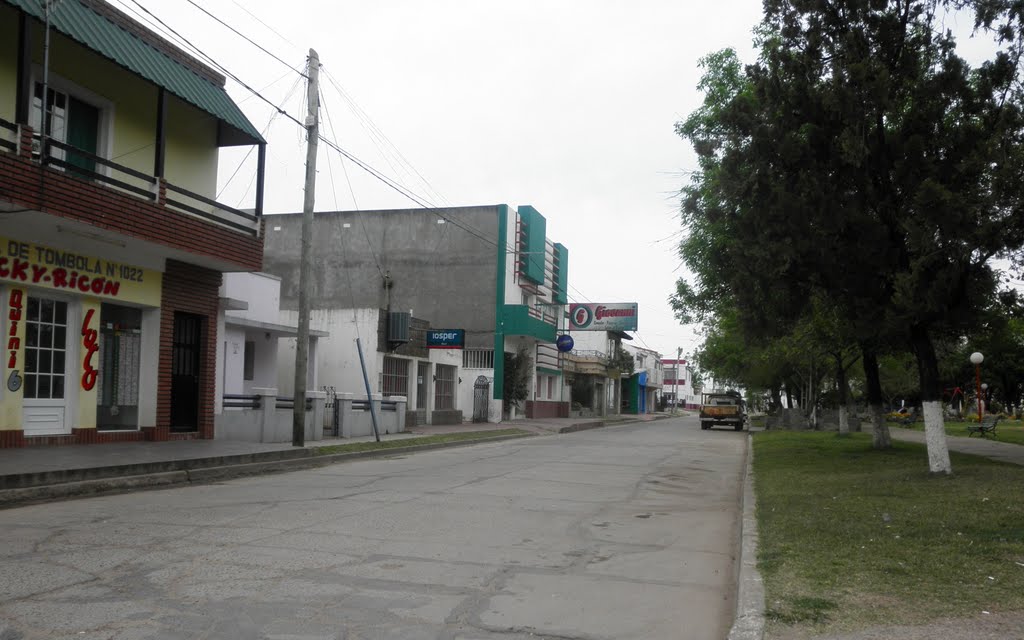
pixel 28 264
pixel 603 317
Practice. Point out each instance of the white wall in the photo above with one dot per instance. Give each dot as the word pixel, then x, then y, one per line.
pixel 337 362
pixel 261 290
pixel 232 354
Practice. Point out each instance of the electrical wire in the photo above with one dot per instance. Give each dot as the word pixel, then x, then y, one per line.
pixel 362 222
pixel 394 185
pixel 263 133
pixel 375 133
pixel 247 39
pixel 272 30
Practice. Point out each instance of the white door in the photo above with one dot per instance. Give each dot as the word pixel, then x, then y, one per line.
pixel 46 350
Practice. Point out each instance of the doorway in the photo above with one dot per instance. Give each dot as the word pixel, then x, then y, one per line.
pixel 185 354
pixel 46 351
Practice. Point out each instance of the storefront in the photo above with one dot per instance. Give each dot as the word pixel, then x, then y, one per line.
pixel 81 336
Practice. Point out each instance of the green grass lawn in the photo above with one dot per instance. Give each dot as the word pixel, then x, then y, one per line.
pixel 415 442
pixel 1006 430
pixel 853 538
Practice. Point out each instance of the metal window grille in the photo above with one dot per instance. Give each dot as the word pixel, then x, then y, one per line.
pixel 395 381
pixel 478 359
pixel 444 387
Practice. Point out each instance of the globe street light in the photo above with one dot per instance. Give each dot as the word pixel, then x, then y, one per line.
pixel 976 360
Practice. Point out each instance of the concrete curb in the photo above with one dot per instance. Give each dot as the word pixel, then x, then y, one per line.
pixel 749 622
pixel 237 467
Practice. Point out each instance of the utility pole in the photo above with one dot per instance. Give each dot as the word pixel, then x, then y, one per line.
pixel 305 259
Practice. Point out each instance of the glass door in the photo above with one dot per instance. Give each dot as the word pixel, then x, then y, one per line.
pixel 46 346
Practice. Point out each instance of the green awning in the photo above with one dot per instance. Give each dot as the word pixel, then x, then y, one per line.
pixel 97 32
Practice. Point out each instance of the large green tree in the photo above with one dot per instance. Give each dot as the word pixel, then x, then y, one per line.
pixel 862 159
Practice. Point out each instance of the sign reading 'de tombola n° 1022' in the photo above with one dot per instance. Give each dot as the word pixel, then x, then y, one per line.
pixel 603 317
pixel 446 339
pixel 29 264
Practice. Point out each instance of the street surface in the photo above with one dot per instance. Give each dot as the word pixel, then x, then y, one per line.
pixel 617 533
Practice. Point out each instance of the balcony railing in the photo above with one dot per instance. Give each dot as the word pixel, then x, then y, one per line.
pixel 88 166
pixel 8 136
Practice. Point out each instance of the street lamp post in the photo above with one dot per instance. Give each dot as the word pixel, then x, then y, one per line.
pixel 984 396
pixel 675 391
pixel 976 360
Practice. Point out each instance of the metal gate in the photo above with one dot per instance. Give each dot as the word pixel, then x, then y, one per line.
pixel 185 352
pixel 332 412
pixel 481 398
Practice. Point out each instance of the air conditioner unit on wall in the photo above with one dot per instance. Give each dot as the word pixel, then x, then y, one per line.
pixel 398 327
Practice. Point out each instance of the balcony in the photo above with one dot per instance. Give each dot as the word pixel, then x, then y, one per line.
pixel 53 186
pixel 93 168
pixel 523 320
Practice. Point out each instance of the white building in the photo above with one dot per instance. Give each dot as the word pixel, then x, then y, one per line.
pixel 427 377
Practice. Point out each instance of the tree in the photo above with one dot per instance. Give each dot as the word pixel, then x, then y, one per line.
pixel 880 169
pixel 516 387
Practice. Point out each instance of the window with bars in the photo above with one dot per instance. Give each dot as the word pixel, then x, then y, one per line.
pixel 395 379
pixel 444 387
pixel 46 327
pixel 478 359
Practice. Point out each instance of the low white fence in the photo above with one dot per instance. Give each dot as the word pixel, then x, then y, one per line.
pixel 264 417
pixel 354 419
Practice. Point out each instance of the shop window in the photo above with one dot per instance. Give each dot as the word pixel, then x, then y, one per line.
pixel 120 355
pixel 46 326
pixel 249 361
pixel 395 379
pixel 444 387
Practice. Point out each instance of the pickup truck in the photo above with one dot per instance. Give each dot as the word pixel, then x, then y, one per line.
pixel 722 408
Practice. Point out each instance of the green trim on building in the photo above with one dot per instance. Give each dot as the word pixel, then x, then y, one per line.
pixel 534 245
pixel 519 322
pixel 498 392
pixel 560 286
pixel 631 394
pixel 550 372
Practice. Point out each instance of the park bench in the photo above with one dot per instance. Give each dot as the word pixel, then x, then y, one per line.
pixel 987 425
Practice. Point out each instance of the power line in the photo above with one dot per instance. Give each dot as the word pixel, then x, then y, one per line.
pixel 362 223
pixel 266 129
pixel 256 18
pixel 247 39
pixel 216 64
pixel 376 133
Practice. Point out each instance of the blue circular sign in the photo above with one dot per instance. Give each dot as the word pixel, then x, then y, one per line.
pixel 565 343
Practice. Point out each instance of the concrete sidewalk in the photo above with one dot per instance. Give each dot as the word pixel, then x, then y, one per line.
pixel 976 446
pixel 33 474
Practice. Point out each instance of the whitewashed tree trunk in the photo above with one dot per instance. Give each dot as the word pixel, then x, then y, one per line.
pixel 844 420
pixel 935 437
pixel 880 437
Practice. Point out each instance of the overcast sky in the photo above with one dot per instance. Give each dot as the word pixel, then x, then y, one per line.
pixel 566 106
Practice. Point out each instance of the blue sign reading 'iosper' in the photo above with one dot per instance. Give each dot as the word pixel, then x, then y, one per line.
pixel 446 338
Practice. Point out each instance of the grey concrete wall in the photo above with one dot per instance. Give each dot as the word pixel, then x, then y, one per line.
pixel 443 273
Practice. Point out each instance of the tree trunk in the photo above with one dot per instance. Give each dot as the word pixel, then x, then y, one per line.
pixel 880 437
pixel 841 388
pixel 789 396
pixel 931 402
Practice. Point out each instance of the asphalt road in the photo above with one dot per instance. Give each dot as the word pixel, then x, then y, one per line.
pixel 617 533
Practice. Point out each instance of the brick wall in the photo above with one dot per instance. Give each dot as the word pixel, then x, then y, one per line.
pixel 32 186
pixel 190 289
pixel 546 409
